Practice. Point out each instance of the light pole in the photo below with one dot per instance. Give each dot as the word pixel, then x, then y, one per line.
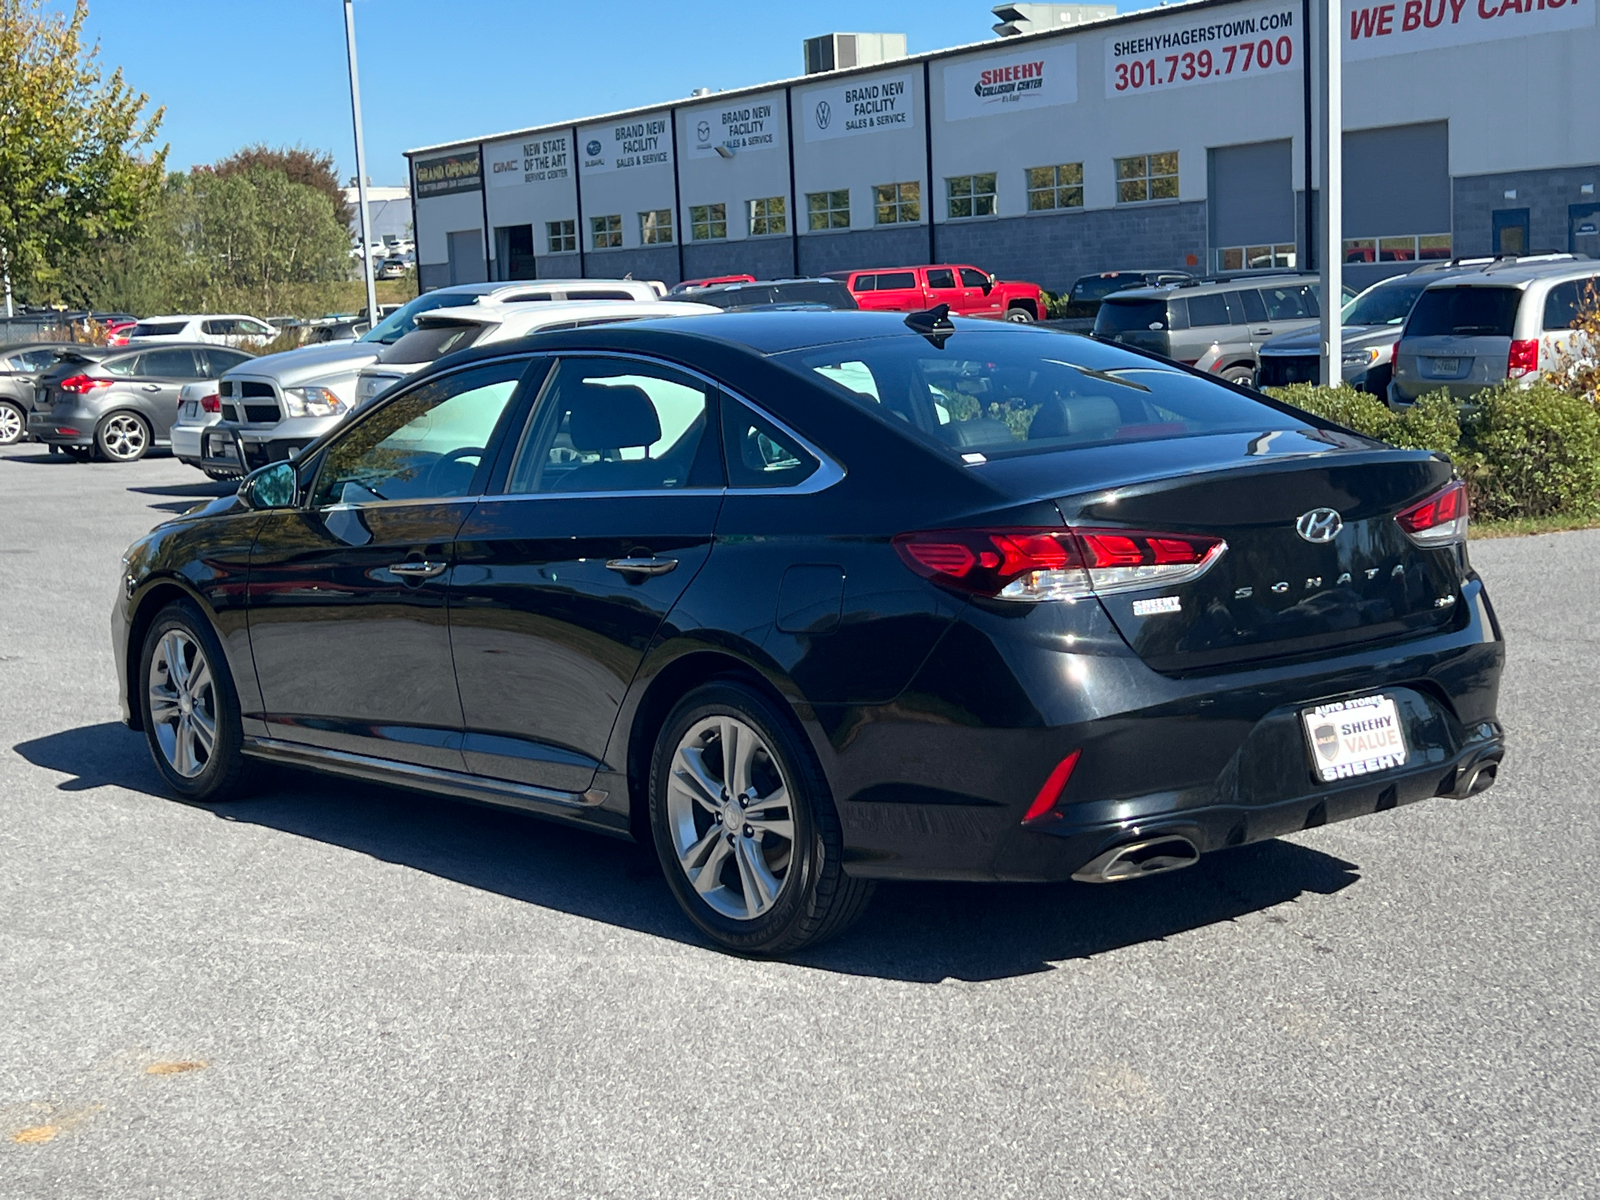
pixel 361 166
pixel 1332 192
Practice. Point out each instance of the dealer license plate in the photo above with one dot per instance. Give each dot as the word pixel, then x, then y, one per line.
pixel 191 409
pixel 1351 738
pixel 222 447
pixel 1445 366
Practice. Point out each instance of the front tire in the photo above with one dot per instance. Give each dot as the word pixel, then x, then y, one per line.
pixel 190 708
pixel 123 437
pixel 1243 376
pixel 745 827
pixel 13 424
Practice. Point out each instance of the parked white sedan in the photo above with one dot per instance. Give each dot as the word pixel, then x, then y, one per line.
pixel 222 329
pixel 198 409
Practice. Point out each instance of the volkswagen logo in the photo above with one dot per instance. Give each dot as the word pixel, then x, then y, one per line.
pixel 824 114
pixel 1319 525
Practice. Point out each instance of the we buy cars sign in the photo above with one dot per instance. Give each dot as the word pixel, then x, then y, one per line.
pixel 1377 30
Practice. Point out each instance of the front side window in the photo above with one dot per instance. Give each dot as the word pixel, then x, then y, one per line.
pixel 828 210
pixel 655 227
pixel 1060 186
pixel 896 203
pixel 1292 302
pixel 771 215
pixel 708 222
pixel 759 454
pixel 1147 177
pixel 426 444
pixel 562 236
pixel 611 425
pixel 970 195
pixel 606 231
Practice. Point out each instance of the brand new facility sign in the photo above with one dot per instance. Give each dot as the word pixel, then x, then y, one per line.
pixel 999 83
pixel 1378 30
pixel 751 124
pixel 626 146
pixel 863 104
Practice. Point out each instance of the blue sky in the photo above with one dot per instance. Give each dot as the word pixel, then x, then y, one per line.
pixel 233 72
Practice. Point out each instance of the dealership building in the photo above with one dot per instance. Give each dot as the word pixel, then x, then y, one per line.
pixel 1179 136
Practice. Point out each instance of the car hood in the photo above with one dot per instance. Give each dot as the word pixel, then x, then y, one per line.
pixel 1309 341
pixel 292 367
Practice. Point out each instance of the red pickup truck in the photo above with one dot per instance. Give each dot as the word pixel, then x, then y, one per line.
pixel 968 291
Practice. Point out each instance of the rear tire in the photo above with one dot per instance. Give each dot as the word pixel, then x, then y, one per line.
pixel 78 453
pixel 189 707
pixel 753 854
pixel 122 437
pixel 13 424
pixel 1019 315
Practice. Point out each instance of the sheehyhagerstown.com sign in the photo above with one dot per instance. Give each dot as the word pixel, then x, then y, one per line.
pixel 1258 40
pixel 754 124
pixel 546 160
pixel 1377 30
pixel 866 104
pixel 641 142
pixel 1000 83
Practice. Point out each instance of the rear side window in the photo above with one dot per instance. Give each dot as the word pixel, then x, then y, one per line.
pixel 158 328
pixel 1468 311
pixel 831 295
pixel 1208 310
pixel 600 294
pixel 990 393
pixel 223 360
pixel 1128 316
pixel 1247 306
pixel 171 364
pixel 220 327
pixel 941 277
pixel 890 280
pixel 759 454
pixel 1567 300
pixel 864 283
pixel 428 342
pixel 1289 303
pixel 1098 287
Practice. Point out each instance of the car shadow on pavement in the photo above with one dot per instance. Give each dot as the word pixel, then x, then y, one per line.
pixel 919 933
pixel 209 490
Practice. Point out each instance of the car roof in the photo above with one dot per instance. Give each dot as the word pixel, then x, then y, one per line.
pixel 562 310
pixel 1205 286
pixel 1520 274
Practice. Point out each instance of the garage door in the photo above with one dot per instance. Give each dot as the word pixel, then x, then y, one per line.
pixel 1397 180
pixel 466 257
pixel 1251 192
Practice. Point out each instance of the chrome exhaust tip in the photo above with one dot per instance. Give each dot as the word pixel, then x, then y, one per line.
pixel 1153 856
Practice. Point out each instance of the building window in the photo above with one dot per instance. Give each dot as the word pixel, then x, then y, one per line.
pixel 828 210
pixel 897 203
pixel 607 231
pixel 563 236
pixel 1055 187
pixel 772 215
pixel 1147 177
pixel 1243 258
pixel 655 227
pixel 970 195
pixel 708 222
pixel 1397 249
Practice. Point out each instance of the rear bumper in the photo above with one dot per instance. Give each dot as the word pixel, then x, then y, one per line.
pixel 47 427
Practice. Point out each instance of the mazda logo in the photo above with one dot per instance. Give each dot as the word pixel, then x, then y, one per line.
pixel 1319 525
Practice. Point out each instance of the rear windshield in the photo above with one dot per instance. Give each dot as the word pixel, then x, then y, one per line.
pixel 1383 304
pixel 1098 287
pixel 1128 316
pixel 159 328
pixel 809 294
pixel 1470 311
pixel 430 342
pixel 404 319
pixel 1021 391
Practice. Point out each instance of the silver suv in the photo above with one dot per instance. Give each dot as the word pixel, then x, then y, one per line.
pixel 1506 322
pixel 280 403
pixel 1217 324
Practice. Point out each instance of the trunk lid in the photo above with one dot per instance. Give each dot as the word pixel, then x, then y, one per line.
pixel 1274 593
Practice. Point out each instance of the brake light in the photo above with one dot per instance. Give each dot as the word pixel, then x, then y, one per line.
pixel 79 384
pixel 1523 359
pixel 1053 787
pixel 1056 564
pixel 1440 519
pixel 211 403
pixel 117 339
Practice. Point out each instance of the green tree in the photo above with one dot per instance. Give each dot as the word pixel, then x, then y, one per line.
pixel 73 162
pixel 314 168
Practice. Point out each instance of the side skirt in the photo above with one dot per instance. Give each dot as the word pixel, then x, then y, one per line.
pixel 573 808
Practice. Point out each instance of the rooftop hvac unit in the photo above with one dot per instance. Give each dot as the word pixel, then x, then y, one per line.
pixel 838 51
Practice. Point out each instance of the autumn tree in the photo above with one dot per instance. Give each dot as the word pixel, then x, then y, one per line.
pixel 313 168
pixel 76 163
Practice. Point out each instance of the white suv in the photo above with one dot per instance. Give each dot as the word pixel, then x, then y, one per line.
pixel 1468 333
pixel 220 329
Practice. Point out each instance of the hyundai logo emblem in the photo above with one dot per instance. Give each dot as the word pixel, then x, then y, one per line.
pixel 1319 525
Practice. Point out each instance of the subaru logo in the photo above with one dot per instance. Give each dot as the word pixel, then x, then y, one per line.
pixel 1319 525
pixel 824 114
pixel 593 148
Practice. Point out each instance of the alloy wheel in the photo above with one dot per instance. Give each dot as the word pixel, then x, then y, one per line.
pixel 183 703
pixel 728 810
pixel 10 425
pixel 123 437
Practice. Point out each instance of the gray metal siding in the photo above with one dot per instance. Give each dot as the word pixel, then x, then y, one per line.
pixel 1397 180
pixel 1251 194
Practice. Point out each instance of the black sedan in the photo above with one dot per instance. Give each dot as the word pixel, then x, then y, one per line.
pixel 118 406
pixel 814 599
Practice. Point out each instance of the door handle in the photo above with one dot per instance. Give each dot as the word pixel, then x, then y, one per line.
pixel 1261 331
pixel 642 566
pixel 418 570
pixel 152 387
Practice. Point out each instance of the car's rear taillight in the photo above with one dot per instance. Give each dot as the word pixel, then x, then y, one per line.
pixel 79 384
pixel 211 403
pixel 1440 519
pixel 1056 564
pixel 1523 359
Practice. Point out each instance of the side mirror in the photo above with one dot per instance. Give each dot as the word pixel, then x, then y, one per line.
pixel 988 285
pixel 273 486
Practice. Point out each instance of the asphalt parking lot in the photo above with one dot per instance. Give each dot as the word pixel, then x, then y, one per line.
pixel 333 989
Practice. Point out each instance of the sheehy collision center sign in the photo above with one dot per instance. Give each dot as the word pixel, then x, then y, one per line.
pixel 1214 45
pixel 999 83
pixel 865 104
pixel 638 142
pixel 543 160
pixel 1377 30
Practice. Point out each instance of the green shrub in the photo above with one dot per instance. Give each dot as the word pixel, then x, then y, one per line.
pixel 1535 451
pixel 1429 424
